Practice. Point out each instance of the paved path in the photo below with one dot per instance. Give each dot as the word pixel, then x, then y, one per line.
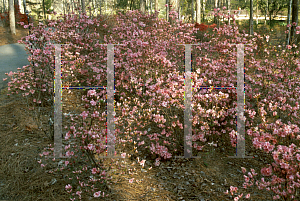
pixel 12 56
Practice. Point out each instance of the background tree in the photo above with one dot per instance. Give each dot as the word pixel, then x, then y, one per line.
pixel 12 17
pixel 83 6
pixel 198 20
pixel 251 17
pixel 16 3
pixel 216 6
pixel 4 7
pixel 295 9
pixel 203 10
pixel 142 6
pixel 288 22
pixel 192 11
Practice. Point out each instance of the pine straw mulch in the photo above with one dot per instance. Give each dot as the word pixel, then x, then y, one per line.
pixel 22 178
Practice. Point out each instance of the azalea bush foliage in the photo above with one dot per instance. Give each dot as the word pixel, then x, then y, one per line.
pixel 149 79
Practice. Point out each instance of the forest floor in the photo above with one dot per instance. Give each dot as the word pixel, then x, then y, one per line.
pixel 7 38
pixel 22 178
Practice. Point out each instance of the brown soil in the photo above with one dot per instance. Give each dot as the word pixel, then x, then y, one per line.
pixel 7 38
pixel 22 178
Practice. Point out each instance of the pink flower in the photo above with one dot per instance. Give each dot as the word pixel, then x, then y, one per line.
pixel 142 24
pixel 93 103
pixel 267 38
pixel 68 153
pixel 92 93
pixel 84 114
pixel 298 156
pixel 91 147
pixel 66 163
pixel 266 171
pixel 157 162
pixel 94 170
pixel 233 189
pixel 95 114
pixel 123 155
pixel 68 186
pixel 164 104
pixel 131 180
pixel 97 194
pixel 166 5
pixel 244 170
pixel 142 163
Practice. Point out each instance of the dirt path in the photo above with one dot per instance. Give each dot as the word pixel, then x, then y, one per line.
pixel 7 38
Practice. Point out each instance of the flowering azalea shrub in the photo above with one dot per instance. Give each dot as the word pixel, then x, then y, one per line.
pixel 149 78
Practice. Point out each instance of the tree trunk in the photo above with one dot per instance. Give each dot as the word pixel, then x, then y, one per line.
pixel 43 4
pixel 72 5
pixel 178 9
pixel 4 5
pixel 256 12
pixel 266 13
pixel 199 11
pixel 12 17
pixel 203 18
pixel 100 5
pixel 16 3
pixel 192 9
pixel 131 5
pixel 295 9
pixel 270 14
pixel 83 6
pixel 24 5
pixel 156 5
pixel 142 6
pixel 228 7
pixel 288 22
pixel 167 11
pixel 90 9
pixel 251 17
pixel 216 6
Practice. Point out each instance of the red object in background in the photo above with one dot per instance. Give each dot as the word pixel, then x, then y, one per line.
pixel 204 27
pixel 19 16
